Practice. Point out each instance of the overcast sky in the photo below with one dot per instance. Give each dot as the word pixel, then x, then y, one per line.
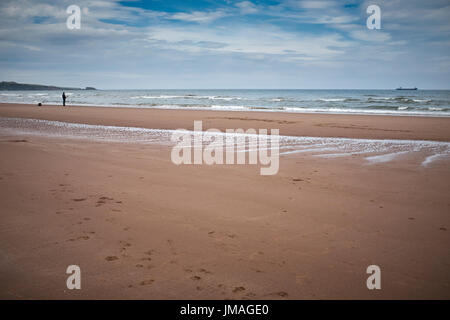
pixel 226 44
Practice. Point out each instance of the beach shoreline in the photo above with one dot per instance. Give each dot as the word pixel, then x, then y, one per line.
pixel 289 124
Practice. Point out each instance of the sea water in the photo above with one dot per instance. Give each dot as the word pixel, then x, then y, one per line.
pixel 393 102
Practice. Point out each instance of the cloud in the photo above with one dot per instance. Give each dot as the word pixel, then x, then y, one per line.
pixel 292 44
pixel 249 40
pixel 247 7
pixel 198 16
pixel 316 4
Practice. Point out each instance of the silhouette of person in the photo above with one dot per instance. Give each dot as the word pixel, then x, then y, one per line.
pixel 64 98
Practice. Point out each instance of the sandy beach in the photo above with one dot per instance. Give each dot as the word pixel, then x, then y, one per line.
pixel 141 227
pixel 294 124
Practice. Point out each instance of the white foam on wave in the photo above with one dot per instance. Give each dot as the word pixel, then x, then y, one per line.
pixel 385 157
pixel 400 111
pixel 10 94
pixel 159 97
pixel 332 99
pixel 236 107
pixel 189 96
pixel 428 160
pixel 308 150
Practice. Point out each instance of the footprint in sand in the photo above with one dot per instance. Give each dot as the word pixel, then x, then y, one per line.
pixel 146 282
pixel 204 271
pixel 79 238
pixel 123 250
pixel 279 294
pixel 111 258
pixel 125 244
pixel 78 199
pixel 105 198
pixel 238 289
pixel 195 278
pixel 102 200
pixel 258 271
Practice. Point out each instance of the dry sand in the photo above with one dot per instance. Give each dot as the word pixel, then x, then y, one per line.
pixel 141 227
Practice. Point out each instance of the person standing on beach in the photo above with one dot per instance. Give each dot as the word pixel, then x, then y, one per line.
pixel 64 98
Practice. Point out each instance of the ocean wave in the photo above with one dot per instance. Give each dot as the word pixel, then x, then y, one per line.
pixel 10 94
pixel 220 107
pixel 338 100
pixel 386 110
pixel 160 97
pixel 331 99
pixel 225 98
pixel 403 100
pixel 377 102
pixel 187 96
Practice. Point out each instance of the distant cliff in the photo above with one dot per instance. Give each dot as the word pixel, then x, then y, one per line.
pixel 11 85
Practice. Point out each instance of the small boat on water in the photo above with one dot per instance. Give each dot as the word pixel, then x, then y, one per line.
pixel 400 88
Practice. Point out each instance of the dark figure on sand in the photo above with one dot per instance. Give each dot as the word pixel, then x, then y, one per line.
pixel 64 98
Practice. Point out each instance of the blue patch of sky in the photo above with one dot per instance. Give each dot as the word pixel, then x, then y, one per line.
pixel 174 5
pixel 40 19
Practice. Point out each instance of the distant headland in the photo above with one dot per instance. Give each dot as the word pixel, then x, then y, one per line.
pixel 11 85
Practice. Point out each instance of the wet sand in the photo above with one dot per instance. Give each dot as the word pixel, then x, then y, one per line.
pixel 141 227
pixel 292 124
